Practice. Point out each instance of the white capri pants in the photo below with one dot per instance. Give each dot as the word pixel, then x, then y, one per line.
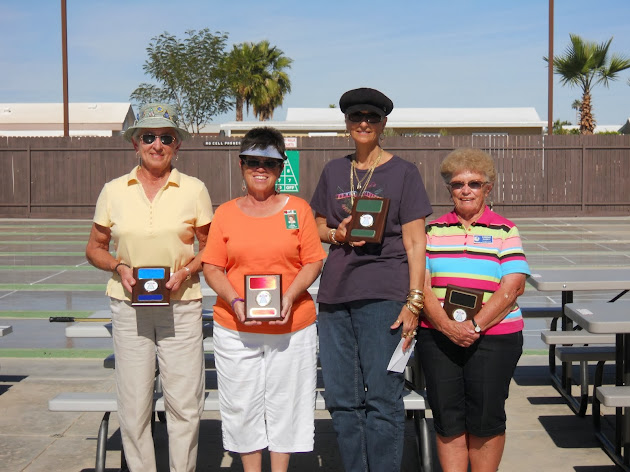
pixel 174 333
pixel 267 389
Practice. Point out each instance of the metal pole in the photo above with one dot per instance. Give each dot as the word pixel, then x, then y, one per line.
pixel 550 73
pixel 64 53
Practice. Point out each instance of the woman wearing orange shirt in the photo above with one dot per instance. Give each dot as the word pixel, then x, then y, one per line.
pixel 266 369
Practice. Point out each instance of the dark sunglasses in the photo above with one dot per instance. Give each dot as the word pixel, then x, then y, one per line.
pixel 267 163
pixel 359 117
pixel 166 139
pixel 472 185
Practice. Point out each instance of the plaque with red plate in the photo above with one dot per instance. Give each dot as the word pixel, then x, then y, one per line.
pixel 263 297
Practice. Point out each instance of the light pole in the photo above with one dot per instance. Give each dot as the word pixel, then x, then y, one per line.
pixel 64 55
pixel 550 73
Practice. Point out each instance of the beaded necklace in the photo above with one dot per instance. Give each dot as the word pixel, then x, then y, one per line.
pixel 362 183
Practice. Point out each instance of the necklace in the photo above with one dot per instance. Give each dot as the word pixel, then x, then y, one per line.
pixel 362 183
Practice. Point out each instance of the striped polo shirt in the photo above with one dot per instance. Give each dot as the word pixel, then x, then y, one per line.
pixel 477 257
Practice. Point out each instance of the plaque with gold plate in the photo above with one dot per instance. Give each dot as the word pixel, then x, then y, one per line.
pixel 150 288
pixel 263 297
pixel 369 216
pixel 462 303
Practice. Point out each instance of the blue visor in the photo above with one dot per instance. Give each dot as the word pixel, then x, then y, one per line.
pixel 270 152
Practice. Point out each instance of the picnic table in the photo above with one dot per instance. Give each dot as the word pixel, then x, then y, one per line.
pixel 567 281
pixel 607 318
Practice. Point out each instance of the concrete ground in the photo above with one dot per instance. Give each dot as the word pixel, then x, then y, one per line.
pixel 43 272
pixel 542 434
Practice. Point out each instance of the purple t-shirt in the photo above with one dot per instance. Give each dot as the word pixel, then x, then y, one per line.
pixel 373 271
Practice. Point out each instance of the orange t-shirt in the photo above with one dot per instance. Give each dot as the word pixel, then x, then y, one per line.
pixel 278 244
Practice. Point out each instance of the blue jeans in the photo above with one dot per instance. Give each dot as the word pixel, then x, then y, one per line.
pixel 362 396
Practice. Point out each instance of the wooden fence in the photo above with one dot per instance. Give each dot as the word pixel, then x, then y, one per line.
pixel 537 175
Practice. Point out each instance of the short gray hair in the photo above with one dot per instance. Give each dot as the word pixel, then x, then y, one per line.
pixel 468 159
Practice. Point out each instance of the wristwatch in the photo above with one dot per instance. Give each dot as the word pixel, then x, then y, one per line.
pixel 476 326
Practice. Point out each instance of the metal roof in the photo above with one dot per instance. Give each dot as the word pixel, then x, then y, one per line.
pixel 46 119
pixel 332 118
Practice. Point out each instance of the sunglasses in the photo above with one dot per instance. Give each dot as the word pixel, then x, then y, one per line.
pixel 472 185
pixel 166 139
pixel 359 117
pixel 266 163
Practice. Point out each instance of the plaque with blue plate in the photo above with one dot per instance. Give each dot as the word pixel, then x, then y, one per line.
pixel 150 288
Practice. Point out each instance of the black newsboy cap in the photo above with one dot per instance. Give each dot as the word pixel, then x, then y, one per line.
pixel 365 99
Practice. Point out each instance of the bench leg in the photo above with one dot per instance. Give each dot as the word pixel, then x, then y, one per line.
pixel 583 388
pixel 423 441
pixel 101 444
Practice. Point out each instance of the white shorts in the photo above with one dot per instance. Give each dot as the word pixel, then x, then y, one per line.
pixel 266 389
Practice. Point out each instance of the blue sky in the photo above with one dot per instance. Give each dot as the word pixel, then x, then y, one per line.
pixel 452 53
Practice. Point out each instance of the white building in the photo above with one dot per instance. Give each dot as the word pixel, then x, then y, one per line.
pixel 46 119
pixel 406 121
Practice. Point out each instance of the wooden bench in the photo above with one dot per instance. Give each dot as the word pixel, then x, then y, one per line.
pixel 105 402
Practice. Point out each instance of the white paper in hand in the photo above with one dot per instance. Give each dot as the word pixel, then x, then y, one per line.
pixel 399 359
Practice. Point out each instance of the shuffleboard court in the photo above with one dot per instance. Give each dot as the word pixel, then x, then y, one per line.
pixel 43 270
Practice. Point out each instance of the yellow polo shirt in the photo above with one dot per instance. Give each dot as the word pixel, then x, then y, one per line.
pixel 157 233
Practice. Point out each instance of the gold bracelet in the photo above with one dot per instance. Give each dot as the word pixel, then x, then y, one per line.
pixel 331 237
pixel 415 311
pixel 188 273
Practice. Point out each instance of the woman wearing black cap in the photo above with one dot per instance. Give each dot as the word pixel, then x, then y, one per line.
pixel 370 294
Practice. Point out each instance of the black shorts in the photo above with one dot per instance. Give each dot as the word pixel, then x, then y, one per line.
pixel 467 387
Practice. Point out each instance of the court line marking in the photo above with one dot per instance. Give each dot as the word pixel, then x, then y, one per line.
pixel 7 294
pixel 46 278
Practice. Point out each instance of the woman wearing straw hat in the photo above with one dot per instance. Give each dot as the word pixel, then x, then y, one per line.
pixel 154 214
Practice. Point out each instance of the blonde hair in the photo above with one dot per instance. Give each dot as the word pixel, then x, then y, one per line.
pixel 468 159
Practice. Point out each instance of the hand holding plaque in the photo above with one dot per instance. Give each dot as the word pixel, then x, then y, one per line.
pixel 369 216
pixel 263 297
pixel 150 288
pixel 462 304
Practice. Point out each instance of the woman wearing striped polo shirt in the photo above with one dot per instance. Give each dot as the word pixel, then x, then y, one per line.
pixel 469 353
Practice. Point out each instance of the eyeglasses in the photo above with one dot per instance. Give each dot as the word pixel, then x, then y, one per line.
pixel 166 139
pixel 472 185
pixel 266 163
pixel 359 117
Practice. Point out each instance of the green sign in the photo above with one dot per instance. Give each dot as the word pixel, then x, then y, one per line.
pixel 289 181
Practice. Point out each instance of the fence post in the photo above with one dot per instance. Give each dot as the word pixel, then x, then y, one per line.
pixel 30 182
pixel 583 157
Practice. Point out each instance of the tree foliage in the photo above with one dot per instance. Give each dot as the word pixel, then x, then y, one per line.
pixel 257 76
pixel 586 64
pixel 190 73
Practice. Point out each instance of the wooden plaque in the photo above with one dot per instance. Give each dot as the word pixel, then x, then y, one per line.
pixel 263 297
pixel 369 216
pixel 461 303
pixel 150 288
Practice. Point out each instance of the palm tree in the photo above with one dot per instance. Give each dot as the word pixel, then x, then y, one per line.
pixel 586 64
pixel 577 105
pixel 257 77
pixel 243 75
pixel 277 83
